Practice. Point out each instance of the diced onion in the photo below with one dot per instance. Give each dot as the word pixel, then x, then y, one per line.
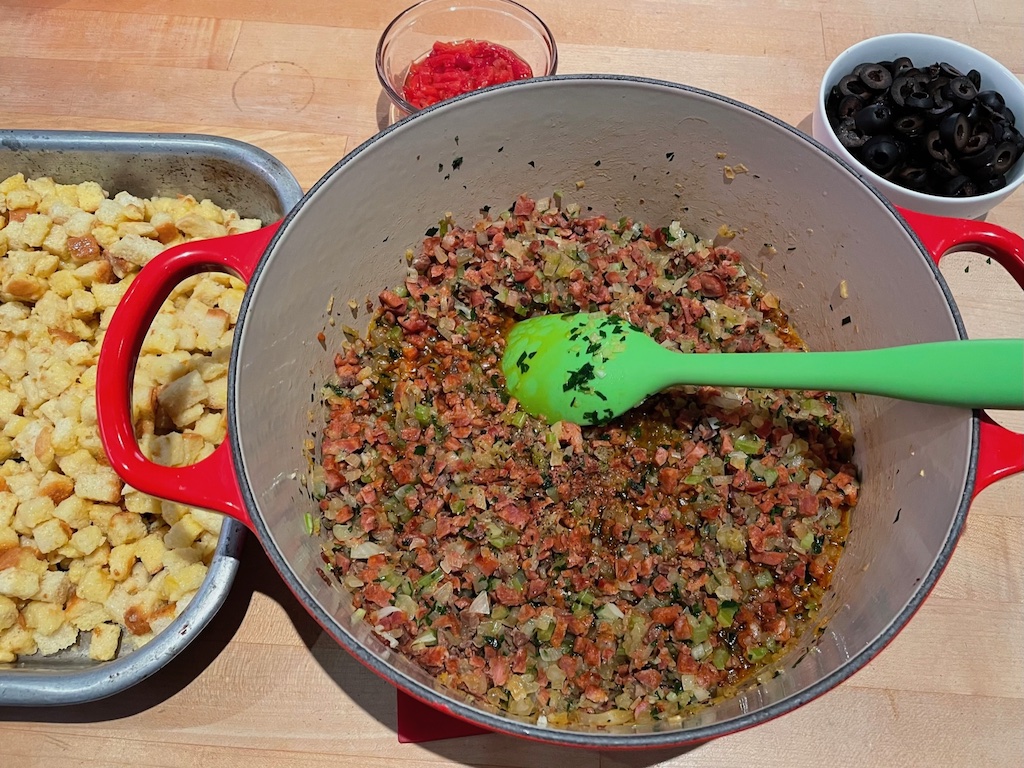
pixel 365 550
pixel 481 605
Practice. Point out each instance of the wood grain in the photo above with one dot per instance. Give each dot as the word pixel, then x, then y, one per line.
pixel 262 686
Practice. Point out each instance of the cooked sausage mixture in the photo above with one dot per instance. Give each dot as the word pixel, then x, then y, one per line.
pixel 615 574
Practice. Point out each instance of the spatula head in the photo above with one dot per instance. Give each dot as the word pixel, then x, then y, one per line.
pixel 575 367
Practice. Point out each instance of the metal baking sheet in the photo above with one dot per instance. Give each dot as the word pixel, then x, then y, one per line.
pixel 232 174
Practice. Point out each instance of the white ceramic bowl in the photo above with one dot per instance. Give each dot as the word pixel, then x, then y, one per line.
pixel 924 50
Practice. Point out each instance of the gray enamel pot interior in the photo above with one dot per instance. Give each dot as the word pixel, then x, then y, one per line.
pixel 656 152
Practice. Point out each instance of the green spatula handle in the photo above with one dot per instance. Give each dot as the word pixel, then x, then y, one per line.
pixel 971 373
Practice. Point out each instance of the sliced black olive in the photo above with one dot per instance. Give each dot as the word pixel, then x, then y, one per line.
pixel 901 66
pixel 979 139
pixel 848 134
pixel 1008 116
pixel 874 76
pixel 941 107
pixel 955 130
pixel 849 106
pixel 1006 155
pixel 958 186
pixel 902 86
pixel 992 99
pixel 912 176
pixel 962 91
pixel 949 70
pixel 1014 136
pixel 851 85
pixel 945 169
pixel 880 153
pixel 933 145
pixel 919 100
pixel 991 185
pixel 932 70
pixel 975 77
pixel 887 65
pixel 909 125
pixel 873 119
pixel 977 160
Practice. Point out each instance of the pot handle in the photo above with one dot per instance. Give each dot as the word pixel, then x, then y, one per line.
pixel 1000 450
pixel 212 482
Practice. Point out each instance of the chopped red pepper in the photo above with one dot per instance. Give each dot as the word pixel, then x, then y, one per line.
pixel 451 69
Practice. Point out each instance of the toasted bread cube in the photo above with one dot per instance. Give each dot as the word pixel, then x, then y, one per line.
pixel 23 197
pixel 102 484
pixel 80 224
pixel 85 614
pixel 90 196
pixel 57 487
pixel 78 464
pixel 32 513
pixel 18 641
pixel 172 512
pixel 183 533
pixel 8 613
pixel 168 450
pixel 87 539
pixel 56 242
pixel 126 527
pixel 51 535
pixel 182 394
pixel 212 427
pixel 122 558
pixel 184 580
pixel 217 399
pixel 135 249
pixel 54 587
pixel 160 341
pixel 99 556
pixel 8 538
pixel 22 287
pixel 44 618
pixel 63 439
pixel 8 505
pixel 104 641
pixel 140 228
pixel 64 282
pixel 35 228
pixel 96 585
pixel 100 514
pixel 210 521
pixel 178 559
pixel 13 182
pixel 196 225
pixel 211 329
pixel 150 551
pixel 94 273
pixel 111 213
pixel 55 642
pixel 74 511
pixel 18 583
pixel 141 503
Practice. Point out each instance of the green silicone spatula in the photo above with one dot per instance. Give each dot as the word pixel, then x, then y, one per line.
pixel 588 368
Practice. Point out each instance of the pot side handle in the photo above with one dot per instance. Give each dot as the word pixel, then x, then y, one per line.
pixel 210 483
pixel 1000 450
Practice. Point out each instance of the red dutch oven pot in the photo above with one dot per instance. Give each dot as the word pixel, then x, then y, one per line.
pixel 651 150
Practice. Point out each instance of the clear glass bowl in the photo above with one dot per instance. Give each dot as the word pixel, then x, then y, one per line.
pixel 410 36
